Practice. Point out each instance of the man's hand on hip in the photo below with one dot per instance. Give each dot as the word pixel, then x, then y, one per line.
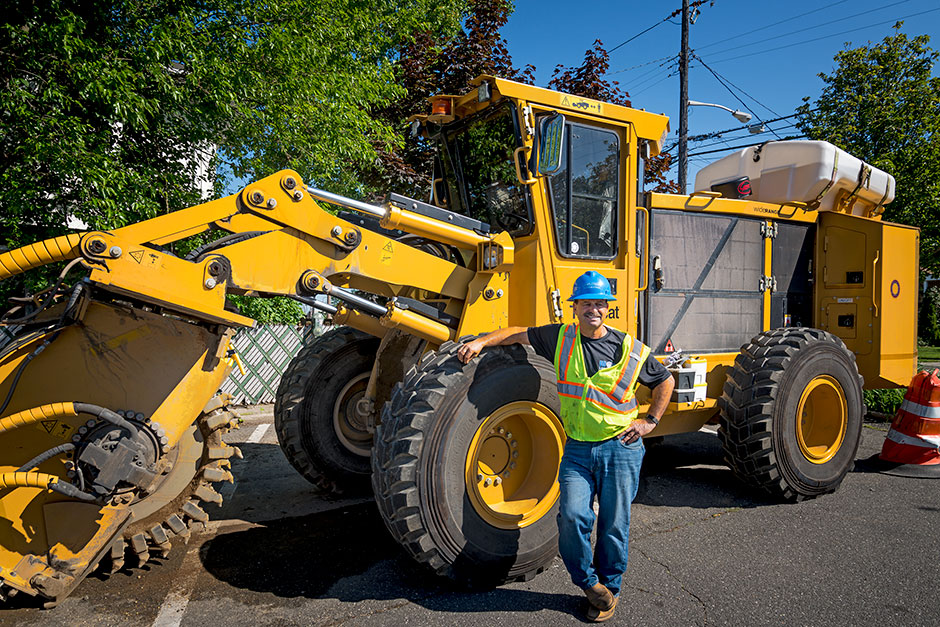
pixel 637 429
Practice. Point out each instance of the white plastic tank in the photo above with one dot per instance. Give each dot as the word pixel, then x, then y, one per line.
pixel 814 172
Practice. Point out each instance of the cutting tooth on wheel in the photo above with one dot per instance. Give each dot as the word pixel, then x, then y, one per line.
pixel 195 512
pixel 217 474
pixel 218 421
pixel 221 452
pixel 118 547
pixel 206 493
pixel 177 526
pixel 139 544
pixel 161 539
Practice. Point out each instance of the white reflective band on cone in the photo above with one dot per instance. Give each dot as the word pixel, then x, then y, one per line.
pixel 917 409
pixel 923 441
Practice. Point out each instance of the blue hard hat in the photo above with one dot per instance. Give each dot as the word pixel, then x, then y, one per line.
pixel 591 286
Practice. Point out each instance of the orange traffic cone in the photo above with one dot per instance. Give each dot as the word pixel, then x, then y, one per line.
pixel 914 437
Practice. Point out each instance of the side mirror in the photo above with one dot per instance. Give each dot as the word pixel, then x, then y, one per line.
pixel 551 142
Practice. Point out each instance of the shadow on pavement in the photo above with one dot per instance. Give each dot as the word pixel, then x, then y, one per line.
pixel 346 554
pixel 688 470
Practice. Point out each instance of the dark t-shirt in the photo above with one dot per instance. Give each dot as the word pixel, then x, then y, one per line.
pixel 600 353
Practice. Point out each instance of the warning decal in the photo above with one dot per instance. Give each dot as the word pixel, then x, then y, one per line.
pixel 58 428
pixel 386 255
pixel 138 255
pixel 669 347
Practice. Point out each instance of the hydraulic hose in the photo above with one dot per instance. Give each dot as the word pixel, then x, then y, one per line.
pixel 39 254
pixel 42 480
pixel 64 410
pixel 39 459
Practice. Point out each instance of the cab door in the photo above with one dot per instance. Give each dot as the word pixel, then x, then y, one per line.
pixel 587 198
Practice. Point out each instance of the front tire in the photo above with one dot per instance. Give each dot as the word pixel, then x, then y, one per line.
pixel 315 418
pixel 465 465
pixel 791 413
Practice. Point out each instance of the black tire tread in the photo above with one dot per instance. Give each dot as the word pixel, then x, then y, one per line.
pixel 290 396
pixel 747 402
pixel 399 440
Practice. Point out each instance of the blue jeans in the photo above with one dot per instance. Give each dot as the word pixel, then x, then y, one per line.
pixel 609 470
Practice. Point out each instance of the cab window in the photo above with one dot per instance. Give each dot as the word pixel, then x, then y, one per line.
pixel 585 193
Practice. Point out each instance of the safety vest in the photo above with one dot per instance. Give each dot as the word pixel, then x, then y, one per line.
pixel 601 406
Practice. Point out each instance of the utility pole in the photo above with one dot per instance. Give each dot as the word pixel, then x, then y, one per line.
pixel 684 100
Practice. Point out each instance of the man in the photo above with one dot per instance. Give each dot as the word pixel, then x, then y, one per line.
pixel 598 369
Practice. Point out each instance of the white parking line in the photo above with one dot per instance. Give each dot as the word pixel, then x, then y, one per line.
pixel 258 433
pixel 174 605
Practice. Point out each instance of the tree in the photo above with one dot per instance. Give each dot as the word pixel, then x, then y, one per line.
pixel 588 80
pixel 115 111
pixel 881 105
pixel 440 63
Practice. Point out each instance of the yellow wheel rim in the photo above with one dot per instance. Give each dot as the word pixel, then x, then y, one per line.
pixel 512 464
pixel 822 418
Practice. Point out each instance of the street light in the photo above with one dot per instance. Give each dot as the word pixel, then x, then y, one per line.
pixel 740 116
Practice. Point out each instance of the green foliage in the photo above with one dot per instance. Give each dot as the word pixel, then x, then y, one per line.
pixel 108 106
pixel 880 104
pixel 279 310
pixel 884 401
pixel 928 353
pixel 928 317
pixel 115 112
pixel 441 62
pixel 588 80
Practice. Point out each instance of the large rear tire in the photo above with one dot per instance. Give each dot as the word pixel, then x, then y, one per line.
pixel 791 413
pixel 321 434
pixel 465 465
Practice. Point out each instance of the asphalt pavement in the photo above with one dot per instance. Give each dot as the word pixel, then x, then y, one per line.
pixel 704 550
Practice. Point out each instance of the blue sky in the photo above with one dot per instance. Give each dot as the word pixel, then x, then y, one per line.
pixel 756 47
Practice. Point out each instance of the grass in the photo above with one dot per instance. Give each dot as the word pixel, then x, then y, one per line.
pixel 928 353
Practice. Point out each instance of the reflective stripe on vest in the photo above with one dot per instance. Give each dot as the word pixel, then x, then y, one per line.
pixel 612 396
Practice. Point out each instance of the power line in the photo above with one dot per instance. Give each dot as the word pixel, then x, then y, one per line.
pixel 807 41
pixel 740 137
pixel 655 71
pixel 699 138
pixel 653 84
pixel 697 3
pixel 723 77
pixel 795 32
pixel 643 82
pixel 642 32
pixel 730 91
pixel 789 19
pixel 633 67
pixel 708 152
pixel 738 128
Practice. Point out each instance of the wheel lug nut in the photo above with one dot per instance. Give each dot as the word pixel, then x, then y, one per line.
pixel 501 430
pixel 512 465
pixel 497 481
pixel 515 454
pixel 479 477
pixel 486 482
pixel 509 435
pixel 513 444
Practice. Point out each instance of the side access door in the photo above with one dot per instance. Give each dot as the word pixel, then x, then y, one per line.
pixel 866 293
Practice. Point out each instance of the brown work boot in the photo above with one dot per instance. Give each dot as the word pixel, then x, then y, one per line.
pixel 600 597
pixel 596 615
